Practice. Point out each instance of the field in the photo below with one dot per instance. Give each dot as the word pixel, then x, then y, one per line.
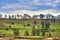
pixel 19 24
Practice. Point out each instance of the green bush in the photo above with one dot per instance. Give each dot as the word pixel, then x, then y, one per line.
pixel 26 33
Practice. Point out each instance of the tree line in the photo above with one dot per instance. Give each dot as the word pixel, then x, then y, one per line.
pixel 27 16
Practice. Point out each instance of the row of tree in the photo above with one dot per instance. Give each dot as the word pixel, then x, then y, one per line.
pixel 35 31
pixel 45 27
pixel 27 16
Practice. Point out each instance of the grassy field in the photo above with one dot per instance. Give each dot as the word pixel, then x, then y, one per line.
pixel 19 24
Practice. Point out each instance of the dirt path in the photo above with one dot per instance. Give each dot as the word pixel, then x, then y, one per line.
pixel 7 38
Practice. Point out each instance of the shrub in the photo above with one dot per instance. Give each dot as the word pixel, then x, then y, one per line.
pixel 26 33
pixel 12 23
pixel 16 32
pixel 28 24
pixel 10 26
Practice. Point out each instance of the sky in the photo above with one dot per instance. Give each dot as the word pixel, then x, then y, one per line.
pixel 9 6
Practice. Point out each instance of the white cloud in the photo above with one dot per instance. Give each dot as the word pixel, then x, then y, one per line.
pixel 54 3
pixel 15 6
pixel 47 2
pixel 53 12
pixel 31 13
pixel 37 2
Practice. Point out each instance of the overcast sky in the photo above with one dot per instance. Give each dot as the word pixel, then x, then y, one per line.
pixel 8 6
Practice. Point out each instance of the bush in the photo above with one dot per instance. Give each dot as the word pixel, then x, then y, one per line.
pixel 16 32
pixel 28 24
pixel 26 33
pixel 7 28
pixel 12 23
pixel 49 34
pixel 10 26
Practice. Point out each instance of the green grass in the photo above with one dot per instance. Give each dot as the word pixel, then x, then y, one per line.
pixel 54 28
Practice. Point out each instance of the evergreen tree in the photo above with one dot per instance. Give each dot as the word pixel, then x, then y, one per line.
pixel 47 25
pixel 42 23
pixel 38 31
pixel 33 31
pixel 43 32
pixel 59 21
pixel 34 22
